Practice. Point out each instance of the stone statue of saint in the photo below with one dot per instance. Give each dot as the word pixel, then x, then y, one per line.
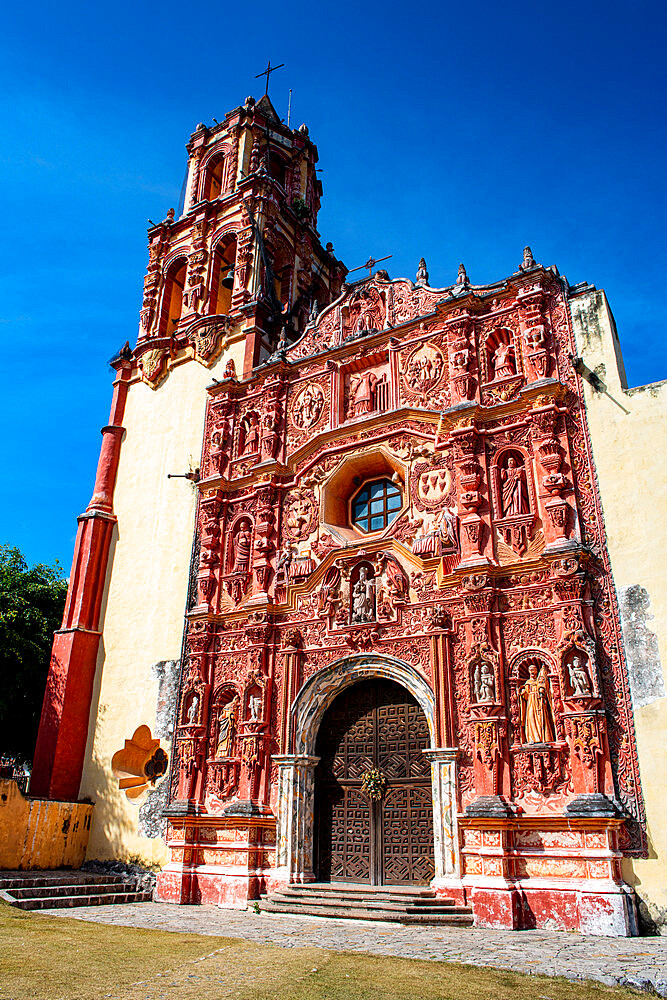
pixel 579 679
pixel 362 394
pixel 255 707
pixel 536 710
pixel 363 609
pixel 193 710
pixel 241 545
pixel 503 365
pixel 485 682
pixel 227 729
pixel 251 443
pixel 515 493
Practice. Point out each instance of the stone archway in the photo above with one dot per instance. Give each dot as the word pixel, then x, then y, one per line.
pixel 294 849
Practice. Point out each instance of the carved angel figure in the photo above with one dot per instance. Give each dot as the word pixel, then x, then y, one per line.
pixel 536 708
pixel 327 598
pixel 515 492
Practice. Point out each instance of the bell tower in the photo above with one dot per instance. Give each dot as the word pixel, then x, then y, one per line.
pixel 230 281
pixel 245 254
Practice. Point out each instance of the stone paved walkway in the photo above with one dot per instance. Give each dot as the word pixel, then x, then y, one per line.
pixel 638 962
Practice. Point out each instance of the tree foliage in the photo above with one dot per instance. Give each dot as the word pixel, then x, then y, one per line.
pixel 31 608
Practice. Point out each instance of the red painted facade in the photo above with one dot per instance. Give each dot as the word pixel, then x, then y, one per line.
pixel 486 590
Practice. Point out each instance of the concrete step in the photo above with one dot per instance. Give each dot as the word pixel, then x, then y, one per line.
pixel 389 895
pixel 362 888
pixel 74 889
pixel 399 905
pixel 93 899
pixel 458 916
pixel 19 881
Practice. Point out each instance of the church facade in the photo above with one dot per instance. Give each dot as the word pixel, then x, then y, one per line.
pixel 368 630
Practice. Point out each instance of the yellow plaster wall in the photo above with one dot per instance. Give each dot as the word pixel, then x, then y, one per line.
pixel 41 833
pixel 629 433
pixel 142 618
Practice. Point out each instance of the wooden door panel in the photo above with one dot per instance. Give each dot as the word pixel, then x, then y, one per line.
pixel 374 724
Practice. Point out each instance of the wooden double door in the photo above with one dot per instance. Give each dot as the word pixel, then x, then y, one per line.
pixel 374 724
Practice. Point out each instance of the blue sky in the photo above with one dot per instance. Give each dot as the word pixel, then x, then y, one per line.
pixel 455 132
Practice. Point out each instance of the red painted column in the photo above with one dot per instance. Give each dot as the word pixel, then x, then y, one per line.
pixel 63 727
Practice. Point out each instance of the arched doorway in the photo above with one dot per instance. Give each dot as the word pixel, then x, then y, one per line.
pixel 375 723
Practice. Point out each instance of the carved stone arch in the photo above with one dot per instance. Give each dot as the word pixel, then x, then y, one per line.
pixel 320 690
pixel 294 850
pixel 171 298
pixel 215 155
pixel 491 342
pixel 523 657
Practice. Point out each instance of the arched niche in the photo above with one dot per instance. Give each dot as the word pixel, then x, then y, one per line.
pixel 222 275
pixel 172 297
pixel 500 355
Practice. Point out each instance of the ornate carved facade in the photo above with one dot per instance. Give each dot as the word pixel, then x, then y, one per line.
pixel 398 486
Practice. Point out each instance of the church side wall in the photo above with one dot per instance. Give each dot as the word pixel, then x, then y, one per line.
pixel 629 435
pixel 137 670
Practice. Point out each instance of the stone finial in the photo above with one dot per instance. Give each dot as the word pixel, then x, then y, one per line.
pixel 170 215
pixel 422 273
pixel 528 259
pixel 303 129
pixel 462 277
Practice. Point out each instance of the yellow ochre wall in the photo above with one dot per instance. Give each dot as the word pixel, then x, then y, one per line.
pixel 41 833
pixel 629 436
pixel 145 596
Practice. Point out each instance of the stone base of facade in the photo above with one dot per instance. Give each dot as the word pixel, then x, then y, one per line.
pixel 225 860
pixel 552 872
pixel 611 913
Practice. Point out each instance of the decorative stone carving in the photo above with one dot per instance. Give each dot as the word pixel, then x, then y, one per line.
pixel 308 406
pixel 536 707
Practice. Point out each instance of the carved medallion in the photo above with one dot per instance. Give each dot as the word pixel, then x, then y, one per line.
pixel 308 406
pixel 423 369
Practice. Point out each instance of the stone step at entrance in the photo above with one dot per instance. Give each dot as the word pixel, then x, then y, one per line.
pixel 401 904
pixel 53 889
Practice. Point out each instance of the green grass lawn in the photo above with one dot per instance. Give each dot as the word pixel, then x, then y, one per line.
pixel 51 958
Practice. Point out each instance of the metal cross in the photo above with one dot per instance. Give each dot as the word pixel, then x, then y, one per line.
pixel 267 73
pixel 370 264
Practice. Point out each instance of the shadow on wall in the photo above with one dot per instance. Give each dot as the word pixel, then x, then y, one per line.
pixel 652 917
pixel 119 826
